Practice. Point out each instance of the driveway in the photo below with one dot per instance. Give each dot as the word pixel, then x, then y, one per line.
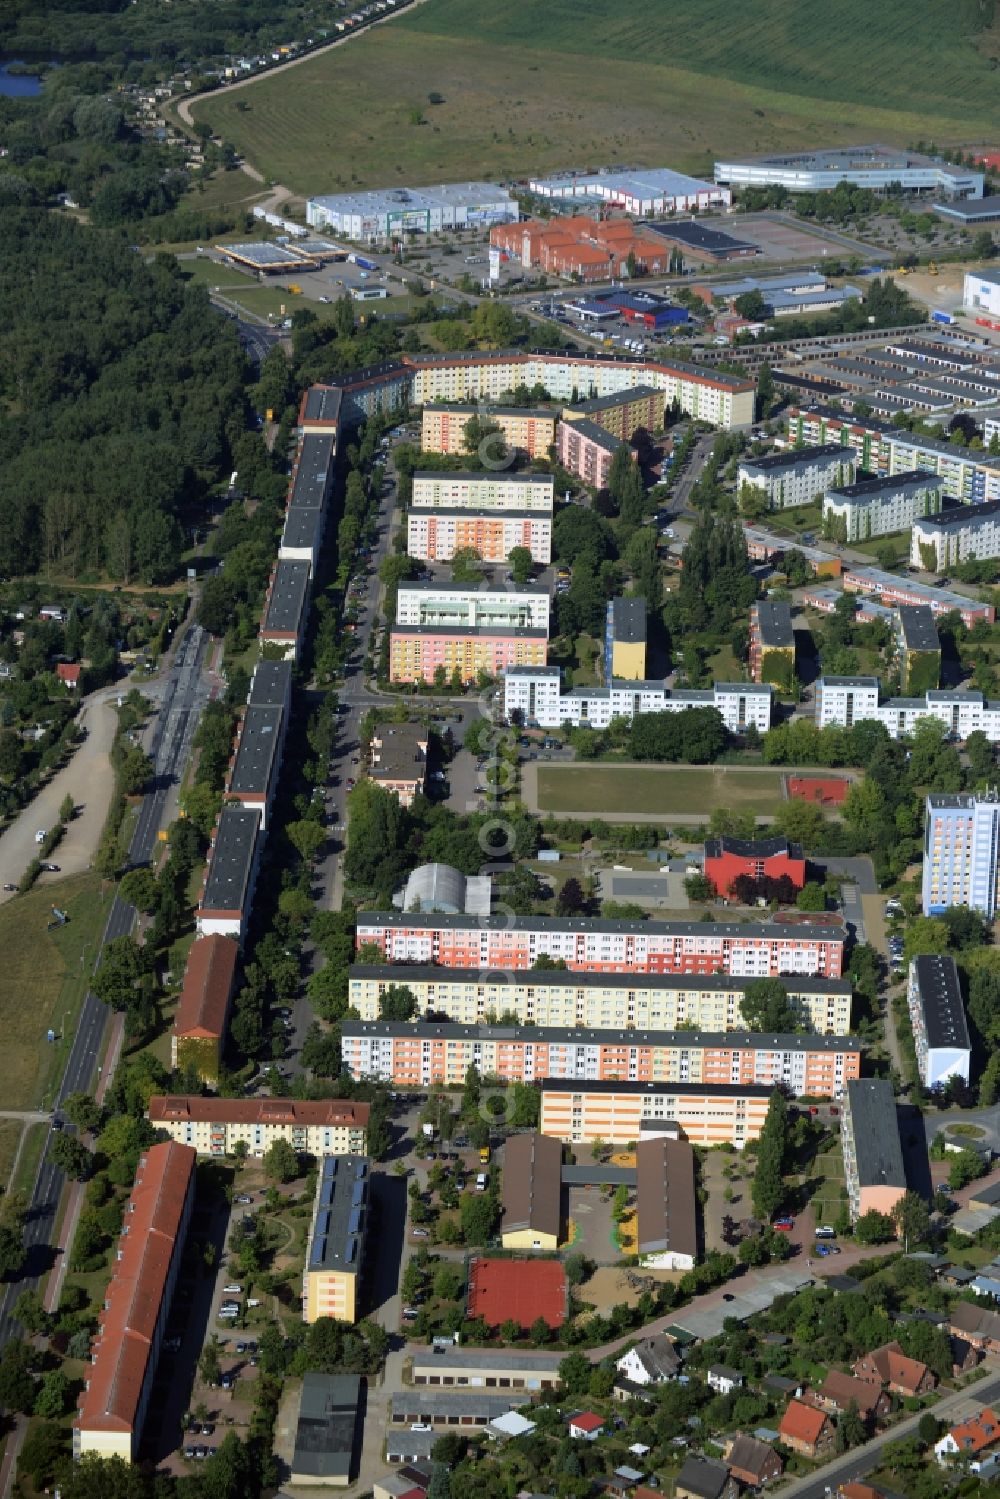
pixel 88 779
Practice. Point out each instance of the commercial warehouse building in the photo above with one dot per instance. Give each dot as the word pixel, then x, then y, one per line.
pixel 436 535
pixel 876 167
pixel 797 476
pixel 845 701
pixel 119 1378
pixel 214 1126
pixel 443 428
pixel 981 289
pixel 706 1114
pixel 233 859
pixel 873 1152
pixel 536 693
pixel 425 1054
pixel 586 248
pixel 961 853
pixel 532 1193
pixel 392 213
pixel 937 1015
pixel 421 653
pixel 499 491
pixel 459 606
pixel 451 1408
pixel 749 950
pixel 199 1028
pixel 326 1430
pixel 587 450
pixel 877 507
pixel 485 1368
pixel 650 190
pixel 335 1251
pixel 772 642
pixel 947 537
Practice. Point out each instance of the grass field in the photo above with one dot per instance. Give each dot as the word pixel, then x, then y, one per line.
pixel 529 87
pixel 667 790
pixel 44 981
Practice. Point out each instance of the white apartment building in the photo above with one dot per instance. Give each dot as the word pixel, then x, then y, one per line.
pixel 877 507
pixel 214 1126
pixel 844 701
pixel 535 692
pixel 489 491
pixel 956 535
pixel 937 1015
pixel 455 605
pixel 574 1002
pixel 797 476
pixel 961 848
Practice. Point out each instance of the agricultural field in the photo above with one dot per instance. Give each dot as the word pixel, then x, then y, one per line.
pixel 527 87
pixel 659 790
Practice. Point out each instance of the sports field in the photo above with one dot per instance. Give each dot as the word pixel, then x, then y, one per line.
pixel 664 790
pixel 532 87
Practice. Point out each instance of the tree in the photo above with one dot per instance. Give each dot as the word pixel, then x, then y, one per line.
pixel 765 390
pixel 448 1282
pixel 850 1428
pixel 521 565
pixel 874 1227
pixel 574 1373
pixel 571 900
pixel 281 1163
pixel 765 1006
pixel 29 1309
pixel 768 1189
pixel 478 1216
pixel 53 1395
pixel 139 888
pixel 965 1167
pixel 45 1449
pixel 71 1156
pixel 983 247
pixel 83 1111
pixel 397 1002
pixel 811 897
pixel 925 934
pixel 912 1220
pixel 306 837
pixel 210 1365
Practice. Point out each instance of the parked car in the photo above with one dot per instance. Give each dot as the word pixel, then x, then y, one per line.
pixel 783 1225
pixel 232 1290
pixel 421 1233
pixel 826 1232
pixel 50 868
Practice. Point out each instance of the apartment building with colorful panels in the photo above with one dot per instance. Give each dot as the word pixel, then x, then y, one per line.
pixel 616 1112
pixel 436 535
pixel 456 604
pixel 492 490
pixel 417 653
pixel 213 1126
pixel 592 1001
pixel 426 1054
pixel 623 412
pixel 749 950
pixel 442 428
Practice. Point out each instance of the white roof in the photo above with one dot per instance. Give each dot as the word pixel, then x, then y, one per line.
pixel 512 1425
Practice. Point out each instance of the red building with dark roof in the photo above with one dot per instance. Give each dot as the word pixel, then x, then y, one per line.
pixel 726 859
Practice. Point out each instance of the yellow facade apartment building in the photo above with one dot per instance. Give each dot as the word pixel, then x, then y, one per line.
pixel 214 1126
pixel 336 1248
pixel 704 1113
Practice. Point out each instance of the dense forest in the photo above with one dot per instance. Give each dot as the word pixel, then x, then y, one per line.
pixel 121 397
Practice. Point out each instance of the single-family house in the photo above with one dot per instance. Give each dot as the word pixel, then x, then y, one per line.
pixel 753 1463
pixel 970 1440
pixel 700 1478
pixel 68 673
pixel 652 1361
pixel 977 1325
pixel 985 1285
pixel 964 1357
pixel 586 1426
pixel 890 1367
pixel 839 1391
pixel 806 1429
pixel 723 1379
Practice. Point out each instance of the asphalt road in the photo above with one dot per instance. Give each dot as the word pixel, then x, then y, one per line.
pixel 184 697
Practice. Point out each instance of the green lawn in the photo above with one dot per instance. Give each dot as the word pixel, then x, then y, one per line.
pixel 611 790
pixel 529 87
pixel 264 301
pixel 898 539
pixel 45 981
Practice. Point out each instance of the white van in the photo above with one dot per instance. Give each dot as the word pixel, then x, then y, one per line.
pixel 481 1182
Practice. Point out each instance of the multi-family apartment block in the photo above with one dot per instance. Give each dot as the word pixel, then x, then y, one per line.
pixel 797 476
pixel 537 695
pixel 286 607
pixel 749 950
pixel 625 640
pixel 873 1152
pixel 962 534
pixel 214 1126
pixel 427 1054
pixel 335 1251
pixel 709 1001
pixel 937 1016
pixel 623 413
pixel 231 874
pixel 772 641
pixel 918 649
pixel 894 589
pixel 436 535
pixel 587 451
pixel 845 701
pixel 456 605
pixel 492 490
pixel 444 429
pixel 199 1028
pixel 877 507
pixel 961 853
pixel 617 1112
pixel 421 653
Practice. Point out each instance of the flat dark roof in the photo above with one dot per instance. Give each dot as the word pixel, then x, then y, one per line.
pixel 340 1217
pixel 917 627
pixel 774 620
pixel 400 752
pixel 287 602
pixel 628 621
pixel 257 750
pixel 940 996
pixel 875 1126
pixel 666 1204
pixel 620 398
pixel 328 1416
pixel 596 434
pixel 757 848
pixel 481 595
pixel 870 488
pixel 313 470
pixel 726 931
pixel 789 457
pixel 960 515
pixel 303 528
pixel 971 210
pixel 271 684
pixel 538 413
pixel 322 403
pixel 532 1177
pixel 446 1030
pixel 700 237
pixel 230 862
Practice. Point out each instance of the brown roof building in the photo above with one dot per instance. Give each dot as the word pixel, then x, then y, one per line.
pixel 667 1212
pixel 976 1325
pixel 200 1022
pixel 839 1391
pixel 125 1348
pixel 532 1192
pixel 214 1126
pixel 806 1430
pixel 890 1367
pixel 753 1463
